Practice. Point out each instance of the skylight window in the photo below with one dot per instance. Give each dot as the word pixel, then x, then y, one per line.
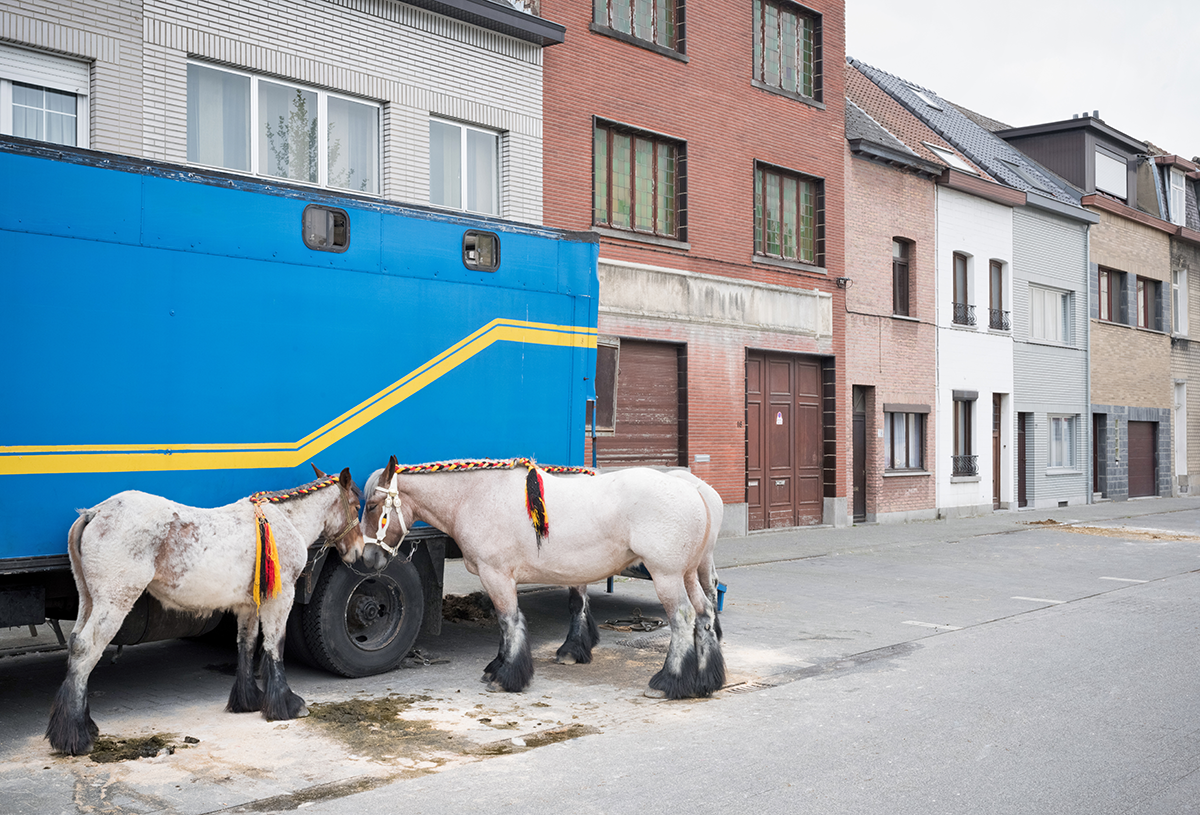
pixel 951 158
pixel 925 97
pixel 1028 177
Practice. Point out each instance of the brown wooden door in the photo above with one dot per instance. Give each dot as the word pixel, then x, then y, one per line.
pixel 995 451
pixel 860 454
pixel 1142 460
pixel 783 440
pixel 647 415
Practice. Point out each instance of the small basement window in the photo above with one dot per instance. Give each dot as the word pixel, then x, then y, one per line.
pixel 326 229
pixel 481 251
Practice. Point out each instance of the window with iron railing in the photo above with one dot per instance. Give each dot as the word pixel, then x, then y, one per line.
pixel 964 312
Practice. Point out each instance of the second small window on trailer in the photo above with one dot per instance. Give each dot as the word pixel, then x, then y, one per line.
pixel 788 215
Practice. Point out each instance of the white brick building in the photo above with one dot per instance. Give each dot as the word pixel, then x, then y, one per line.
pixel 375 79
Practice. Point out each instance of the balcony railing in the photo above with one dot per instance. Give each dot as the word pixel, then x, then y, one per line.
pixel 964 314
pixel 965 465
pixel 999 320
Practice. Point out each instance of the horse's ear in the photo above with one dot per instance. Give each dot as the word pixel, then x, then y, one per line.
pixel 393 465
pixel 344 479
pixel 317 471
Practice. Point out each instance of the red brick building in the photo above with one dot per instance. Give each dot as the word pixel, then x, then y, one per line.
pixel 706 145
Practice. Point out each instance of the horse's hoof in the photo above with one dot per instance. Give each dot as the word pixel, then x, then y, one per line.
pixel 495 687
pixel 302 712
pixel 566 659
pixel 654 693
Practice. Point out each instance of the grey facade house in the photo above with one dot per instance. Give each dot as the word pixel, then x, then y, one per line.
pixel 1142 270
pixel 1042 297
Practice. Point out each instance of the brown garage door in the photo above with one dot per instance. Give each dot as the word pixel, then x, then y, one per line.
pixel 783 440
pixel 1142 438
pixel 648 413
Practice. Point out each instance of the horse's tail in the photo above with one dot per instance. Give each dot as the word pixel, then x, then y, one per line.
pixel 75 551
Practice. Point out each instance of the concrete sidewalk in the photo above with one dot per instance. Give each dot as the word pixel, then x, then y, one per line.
pixel 804 542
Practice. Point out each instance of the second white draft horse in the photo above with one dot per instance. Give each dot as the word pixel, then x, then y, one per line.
pixel 516 523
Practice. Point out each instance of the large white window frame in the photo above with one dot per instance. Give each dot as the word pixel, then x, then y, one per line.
pixel 46 72
pixel 468 196
pixel 1049 315
pixel 1112 175
pixel 1061 452
pixel 1178 197
pixel 264 156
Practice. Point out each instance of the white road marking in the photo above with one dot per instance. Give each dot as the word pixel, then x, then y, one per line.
pixel 1040 600
pixel 1125 579
pixel 934 625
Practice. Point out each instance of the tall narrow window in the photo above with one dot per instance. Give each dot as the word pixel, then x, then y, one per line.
pixel 655 21
pixel 964 460
pixel 1178 199
pixel 43 97
pixel 901 252
pixel 1179 301
pixel 1105 299
pixel 1149 314
pixel 637 181
pixel 997 316
pixel 787 48
pixel 964 312
pixel 788 213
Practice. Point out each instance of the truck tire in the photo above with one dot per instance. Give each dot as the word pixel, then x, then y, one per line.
pixel 362 624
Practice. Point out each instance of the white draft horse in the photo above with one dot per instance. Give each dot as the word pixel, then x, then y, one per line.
pixel 584 529
pixel 244 557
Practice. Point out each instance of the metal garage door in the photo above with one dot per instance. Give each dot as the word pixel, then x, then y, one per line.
pixel 649 409
pixel 1142 470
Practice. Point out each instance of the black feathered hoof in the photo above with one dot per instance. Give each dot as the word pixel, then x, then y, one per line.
pixel 71 730
pixel 245 697
pixel 573 652
pixel 289 705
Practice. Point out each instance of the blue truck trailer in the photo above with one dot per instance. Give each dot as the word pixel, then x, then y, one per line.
pixel 204 336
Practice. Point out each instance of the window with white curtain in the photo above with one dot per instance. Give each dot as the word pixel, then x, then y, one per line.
pixel 43 97
pixel 904 441
pixel 1062 441
pixel 1049 314
pixel 1179 301
pixel 464 167
pixel 238 121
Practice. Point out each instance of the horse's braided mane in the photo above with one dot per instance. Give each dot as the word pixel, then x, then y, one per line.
pixel 462 465
pixel 279 496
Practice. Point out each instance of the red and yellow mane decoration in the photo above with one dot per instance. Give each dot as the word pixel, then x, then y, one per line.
pixel 535 501
pixel 267 580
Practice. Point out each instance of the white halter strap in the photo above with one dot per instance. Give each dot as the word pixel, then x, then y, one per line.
pixel 391 501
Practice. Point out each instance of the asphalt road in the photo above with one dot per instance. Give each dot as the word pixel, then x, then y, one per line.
pixel 978 665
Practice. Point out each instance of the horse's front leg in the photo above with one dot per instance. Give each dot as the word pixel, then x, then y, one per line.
pixel 512 669
pixel 245 695
pixel 279 701
pixel 583 634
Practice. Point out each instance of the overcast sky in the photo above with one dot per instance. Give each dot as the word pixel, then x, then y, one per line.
pixel 1032 61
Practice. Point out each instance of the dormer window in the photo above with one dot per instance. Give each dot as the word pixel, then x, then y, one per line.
pixel 1112 175
pixel 1178 197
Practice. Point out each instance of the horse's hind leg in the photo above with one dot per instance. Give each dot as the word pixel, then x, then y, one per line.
pixel 710 662
pixel 583 633
pixel 245 695
pixel 676 678
pixel 512 669
pixel 708 580
pixel 279 701
pixel 71 729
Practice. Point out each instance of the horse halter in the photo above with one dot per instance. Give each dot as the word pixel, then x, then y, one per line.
pixel 391 501
pixel 351 519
